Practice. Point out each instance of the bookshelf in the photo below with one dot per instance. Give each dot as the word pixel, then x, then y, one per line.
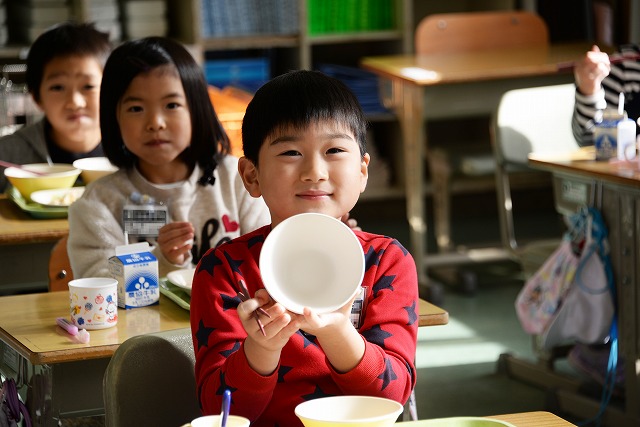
pixel 186 24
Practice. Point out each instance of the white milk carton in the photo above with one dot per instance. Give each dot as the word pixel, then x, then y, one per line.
pixel 136 270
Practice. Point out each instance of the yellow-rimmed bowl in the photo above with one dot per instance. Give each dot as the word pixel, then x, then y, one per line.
pixel 352 411
pixel 55 176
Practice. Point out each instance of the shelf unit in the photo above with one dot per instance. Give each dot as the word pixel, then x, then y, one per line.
pixel 79 11
pixel 185 25
pixel 302 50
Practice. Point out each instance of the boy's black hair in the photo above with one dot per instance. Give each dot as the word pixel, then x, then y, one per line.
pixel 64 40
pixel 299 98
pixel 209 141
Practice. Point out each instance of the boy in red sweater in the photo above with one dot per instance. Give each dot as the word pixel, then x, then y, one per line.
pixel 304 146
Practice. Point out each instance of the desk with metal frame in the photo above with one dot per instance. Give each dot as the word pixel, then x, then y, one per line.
pixel 64 378
pixel 457 85
pixel 614 188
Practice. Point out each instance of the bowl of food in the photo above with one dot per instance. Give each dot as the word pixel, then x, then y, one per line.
pixel 41 176
pixel 312 260
pixel 57 197
pixel 92 168
pixel 360 411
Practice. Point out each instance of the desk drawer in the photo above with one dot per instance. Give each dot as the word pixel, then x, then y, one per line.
pixel 571 193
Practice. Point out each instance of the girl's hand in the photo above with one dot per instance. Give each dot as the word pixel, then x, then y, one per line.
pixel 263 351
pixel 591 70
pixel 176 240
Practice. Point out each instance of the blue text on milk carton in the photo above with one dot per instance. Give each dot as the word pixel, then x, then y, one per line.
pixel 137 275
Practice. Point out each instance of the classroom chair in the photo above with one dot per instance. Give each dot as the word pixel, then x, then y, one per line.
pixel 60 273
pixel 150 381
pixel 527 120
pixel 462 162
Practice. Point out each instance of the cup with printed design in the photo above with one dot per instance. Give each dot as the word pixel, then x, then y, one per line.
pixel 94 302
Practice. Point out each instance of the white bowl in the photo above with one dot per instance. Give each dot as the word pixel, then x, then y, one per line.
pixel 312 260
pixel 58 175
pixel 93 168
pixel 361 411
pixel 182 278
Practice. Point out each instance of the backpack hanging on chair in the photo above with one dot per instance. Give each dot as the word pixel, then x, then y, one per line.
pixel 571 297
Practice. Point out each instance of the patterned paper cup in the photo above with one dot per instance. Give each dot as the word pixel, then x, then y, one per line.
pixel 94 302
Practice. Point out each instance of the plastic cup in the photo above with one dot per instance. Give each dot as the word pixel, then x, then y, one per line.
pixel 94 302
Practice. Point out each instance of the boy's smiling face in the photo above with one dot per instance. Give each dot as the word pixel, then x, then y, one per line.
pixel 315 169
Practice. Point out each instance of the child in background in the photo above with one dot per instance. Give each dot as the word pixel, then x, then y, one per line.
pixel 304 146
pixel 598 86
pixel 64 69
pixel 160 129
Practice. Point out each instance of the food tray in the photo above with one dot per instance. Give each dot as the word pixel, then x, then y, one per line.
pixel 175 294
pixel 36 210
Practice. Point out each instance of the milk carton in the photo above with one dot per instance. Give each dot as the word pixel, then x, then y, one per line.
pixel 136 270
pixel 605 135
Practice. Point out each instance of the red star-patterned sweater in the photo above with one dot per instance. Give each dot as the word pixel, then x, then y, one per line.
pixel 389 328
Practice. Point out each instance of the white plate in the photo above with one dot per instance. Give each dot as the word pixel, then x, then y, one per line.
pixel 182 278
pixel 59 197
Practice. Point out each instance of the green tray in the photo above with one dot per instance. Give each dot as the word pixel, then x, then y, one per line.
pixel 175 294
pixel 36 210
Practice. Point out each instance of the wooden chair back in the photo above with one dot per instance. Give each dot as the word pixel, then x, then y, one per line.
pixel 472 31
pixel 59 267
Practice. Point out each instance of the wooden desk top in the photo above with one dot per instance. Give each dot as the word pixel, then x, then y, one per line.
pixel 533 419
pixel 524 419
pixel 434 69
pixel 583 163
pixel 431 315
pixel 17 226
pixel 28 325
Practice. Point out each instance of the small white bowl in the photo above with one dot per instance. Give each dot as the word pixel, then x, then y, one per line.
pixel 92 168
pixel 312 260
pixel 360 411
pixel 182 278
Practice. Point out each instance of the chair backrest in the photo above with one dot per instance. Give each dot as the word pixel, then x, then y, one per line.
pixel 534 119
pixel 150 380
pixel 60 273
pixel 472 31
